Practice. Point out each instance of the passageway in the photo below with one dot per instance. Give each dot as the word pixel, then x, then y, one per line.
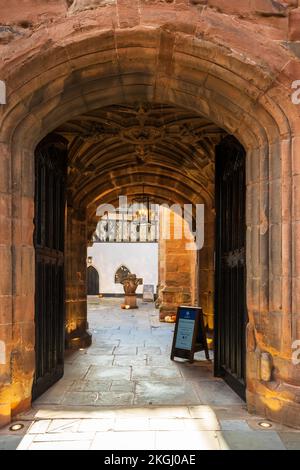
pixel 129 364
pixel 124 393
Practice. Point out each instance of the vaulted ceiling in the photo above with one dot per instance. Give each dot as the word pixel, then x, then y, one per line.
pixel 156 149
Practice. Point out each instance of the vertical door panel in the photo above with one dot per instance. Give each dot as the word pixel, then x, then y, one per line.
pixel 50 180
pixel 230 290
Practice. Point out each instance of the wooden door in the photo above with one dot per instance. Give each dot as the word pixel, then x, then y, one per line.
pixel 50 181
pixel 230 288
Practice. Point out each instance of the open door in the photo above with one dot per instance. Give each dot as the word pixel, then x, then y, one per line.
pixel 230 288
pixel 50 181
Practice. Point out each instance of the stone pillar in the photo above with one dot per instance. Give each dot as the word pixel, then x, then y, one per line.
pixel 177 271
pixel 294 18
pixel 77 335
pixel 6 300
pixel 17 282
pixel 206 272
pixel 273 379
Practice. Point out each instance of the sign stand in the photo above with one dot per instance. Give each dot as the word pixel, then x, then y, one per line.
pixel 148 293
pixel 189 335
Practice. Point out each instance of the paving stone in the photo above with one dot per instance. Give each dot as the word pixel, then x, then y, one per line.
pixel 80 398
pixel 91 386
pixel 155 373
pixel 61 445
pixel 160 361
pixel 9 442
pixel 111 399
pixel 63 426
pixel 132 424
pixel 113 373
pixel 53 396
pixel 187 440
pixel 201 411
pixel 165 424
pixel 253 440
pixel 39 427
pixel 197 372
pixel 216 393
pixel 75 371
pixel 163 393
pixel 232 412
pixel 99 360
pixel 26 441
pixel 125 350
pixel 208 422
pixel 149 350
pixel 234 425
pixel 96 425
pixel 71 356
pixel 122 386
pixel 101 351
pixel 291 440
pixel 114 398
pixel 129 361
pixel 126 440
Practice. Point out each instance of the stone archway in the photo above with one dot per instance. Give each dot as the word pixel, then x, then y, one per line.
pixel 200 63
pixel 93 285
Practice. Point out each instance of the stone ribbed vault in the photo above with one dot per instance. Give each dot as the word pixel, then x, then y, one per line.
pixel 118 149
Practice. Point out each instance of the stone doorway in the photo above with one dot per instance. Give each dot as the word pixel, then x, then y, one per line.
pixel 168 154
pixel 208 63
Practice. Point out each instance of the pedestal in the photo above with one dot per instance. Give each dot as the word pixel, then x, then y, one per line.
pixel 130 299
pixel 79 338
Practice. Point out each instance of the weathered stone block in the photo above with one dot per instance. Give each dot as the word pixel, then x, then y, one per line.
pixel 5 164
pixel 294 21
pixel 81 5
pixel 6 275
pixel 276 249
pixel 296 197
pixel 5 414
pixel 274 330
pixel 266 365
pixel 268 8
pixel 5 219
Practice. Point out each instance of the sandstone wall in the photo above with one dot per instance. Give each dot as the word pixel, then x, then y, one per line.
pixel 232 62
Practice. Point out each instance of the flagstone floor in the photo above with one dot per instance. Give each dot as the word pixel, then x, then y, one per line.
pixel 124 392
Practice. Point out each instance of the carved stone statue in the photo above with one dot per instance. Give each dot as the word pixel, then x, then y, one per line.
pixel 130 284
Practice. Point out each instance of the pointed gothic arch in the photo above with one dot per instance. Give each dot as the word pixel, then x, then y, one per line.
pixel 93 281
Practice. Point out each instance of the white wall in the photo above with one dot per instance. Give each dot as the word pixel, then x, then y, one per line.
pixel 140 258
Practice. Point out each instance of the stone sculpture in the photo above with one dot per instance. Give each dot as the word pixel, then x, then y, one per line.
pixel 130 284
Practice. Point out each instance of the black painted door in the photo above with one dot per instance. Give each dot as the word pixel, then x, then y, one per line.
pixel 92 281
pixel 50 180
pixel 230 288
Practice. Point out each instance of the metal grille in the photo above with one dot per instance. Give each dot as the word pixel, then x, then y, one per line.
pixel 124 231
